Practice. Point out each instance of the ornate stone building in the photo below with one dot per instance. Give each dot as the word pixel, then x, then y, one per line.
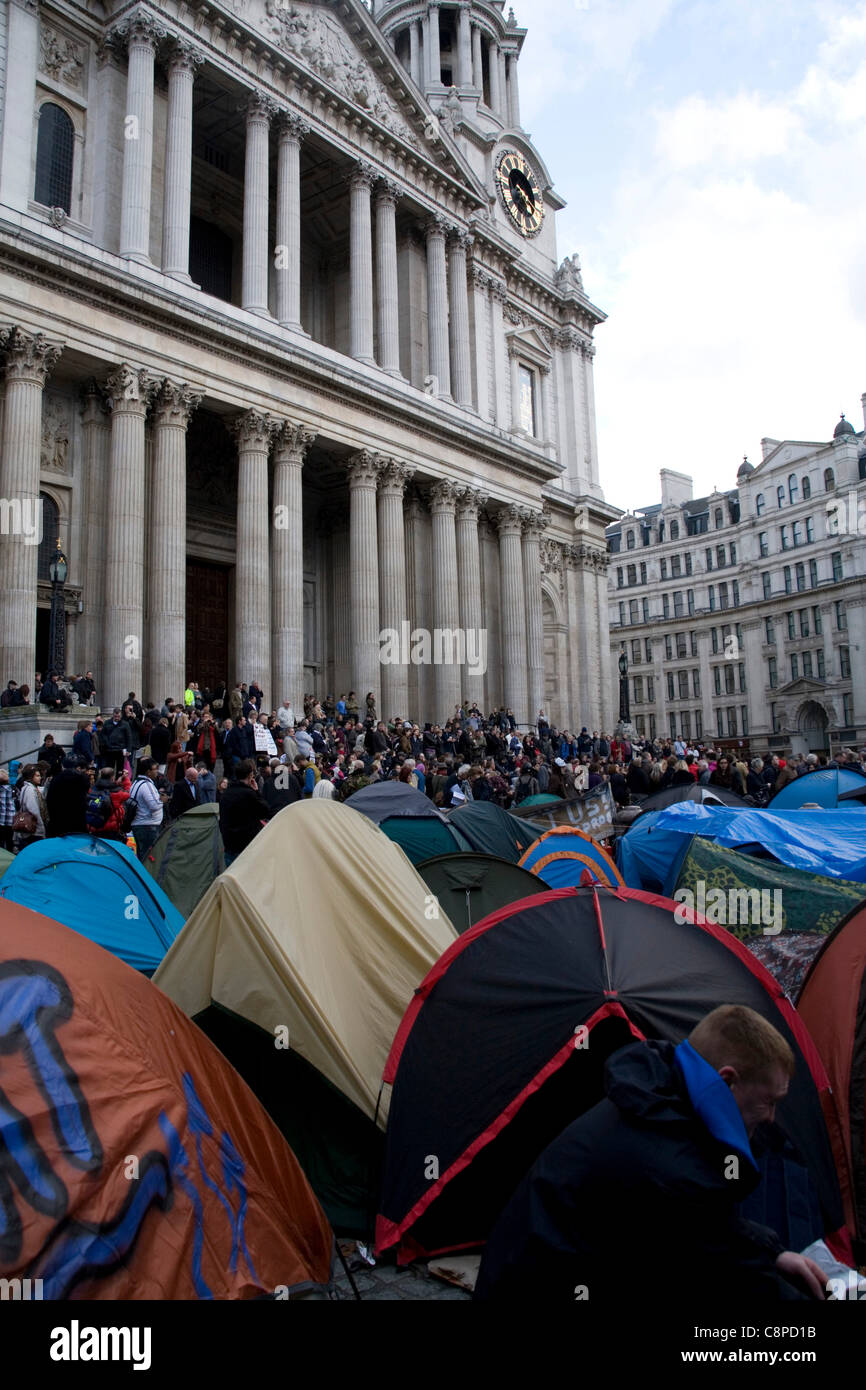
pixel 743 614
pixel 290 356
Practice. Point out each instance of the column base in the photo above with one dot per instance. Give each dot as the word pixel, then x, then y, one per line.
pixel 137 256
pixel 368 361
pixel 258 310
pixel 183 277
pixel 394 372
pixel 294 328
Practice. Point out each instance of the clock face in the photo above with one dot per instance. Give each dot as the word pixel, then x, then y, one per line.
pixel 520 192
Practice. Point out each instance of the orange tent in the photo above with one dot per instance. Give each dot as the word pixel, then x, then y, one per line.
pixel 832 1004
pixel 135 1161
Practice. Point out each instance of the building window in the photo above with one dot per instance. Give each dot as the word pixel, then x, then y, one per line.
pixel 633 612
pixel 742 675
pixel 792 631
pixel 769 632
pixel 619 578
pixel 666 606
pixel 800 571
pixel 789 584
pixel 841 617
pixel 683 684
pixel 836 559
pixel 661 531
pixel 681 645
pixel 690 600
pixel 810 528
pixel 676 567
pixel 648 650
pixel 631 575
pixel 807 664
pixel 622 615
pixel 785 542
pixel 672 722
pixel 807 489
pixel 670 685
pixel 735 593
pixel 813 574
pixel 793 489
pixel 211 252
pixel 646 612
pixel 816 621
pixel 650 689
pixel 729 680
pixel 629 540
pixel 635 651
pixel 773 669
pixel 845 662
pixel 714 635
pixel 723 596
pixel 804 622
pixel 664 569
pixel 797 530
pixel 685 725
pixel 767 585
pixel 669 647
pixel 717 679
pixel 638 690
pixel 675 530
pixel 720 723
pixel 733 550
pixel 720 557
pixel 693 643
pixel 696 684
pixel 780 496
pixel 712 598
pixel 795 666
pixel 829 480
pixel 679 607
pixel 848 710
pixel 744 720
pixel 822 668
pixel 55 147
pixel 699 724
pixel 643 571
pixel 719 519
pixel 709 557
pixel 526 383
pixel 759 504
pixel 688 562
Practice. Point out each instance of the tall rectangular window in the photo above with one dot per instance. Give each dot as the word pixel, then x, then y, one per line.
pixel 696 684
pixel 664 569
pixel 669 647
pixel 717 679
pixel 841 616
pixel 633 611
pixel 848 709
pixel 807 663
pixel 770 631
pixel 767 584
pixel 813 574
pixel 646 610
pixel 822 668
pixel 679 606
pixel 732 722
pixel 527 399
pixel 643 571
pixel 699 724
pixel 744 719
pixel 712 598
pixel 666 606
pixel 681 645
pixel 685 724
pixel 683 684
pixel 810 528
pixel 845 662
pixel 817 621
pixel 763 544
pixel 693 643
pixel 789 583
pixel 735 593
pixel 648 650
pixel 676 567
pixel 773 672
pixel 785 540
pixel 836 558
pixel 795 666
pixel 801 577
pixel 723 595
pixel 650 689
pixel 804 622
pixel 709 557
pixel 688 562
pixel 670 685
pixel 792 628
pixel 638 690
pixel 622 615
pixel 635 651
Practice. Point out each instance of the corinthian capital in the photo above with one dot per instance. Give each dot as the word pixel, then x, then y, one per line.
pixel 459 240
pixel 471 503
pixel 535 524
pixel 131 388
pixel 183 56
pixel 293 440
pixel 140 27
pixel 443 496
pixel 364 175
pixel 509 520
pixel 292 127
pixel 175 404
pixel 253 430
pixel 29 356
pixel 395 476
pixel 258 106
pixel 364 468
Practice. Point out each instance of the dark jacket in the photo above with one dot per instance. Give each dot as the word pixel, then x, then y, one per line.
pixel 242 811
pixel 278 796
pixel 82 744
pixel 53 755
pixel 115 737
pixel 66 800
pixel 182 798
pixel 640 1177
pixel 160 742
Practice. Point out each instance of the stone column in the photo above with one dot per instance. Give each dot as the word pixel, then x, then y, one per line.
pixel 548 414
pixel 259 109
pixel 364 469
pixel 361 271
pixel 415 52
pixel 448 675
pixel 480 334
pixel 342 601
pixel 254 432
pixel 855 612
pixel 513 92
pixel 754 698
pixel 29 359
pixel 291 132
pixel 130 391
pixel 165 649
pixel 472 618
pixel 142 33
pixel 580 592
pixel 178 161
pixel 534 527
pixel 433 44
pixel 503 85
pixel 437 307
pixel 464 46
pixel 392 583
pixel 495 84
pixel 499 354
pixel 477 61
pixel 461 354
pixel 513 611
pixel 95 444
pixel 287 566
pixel 418 567
pixel 386 266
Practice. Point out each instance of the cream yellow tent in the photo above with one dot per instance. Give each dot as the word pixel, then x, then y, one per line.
pixel 300 962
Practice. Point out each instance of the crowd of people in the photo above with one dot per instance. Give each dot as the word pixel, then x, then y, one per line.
pixel 221 745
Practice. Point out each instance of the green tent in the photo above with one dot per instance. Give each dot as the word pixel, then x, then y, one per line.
pixel 490 829
pixel 6 858
pixel 188 856
pixel 471 886
pixel 421 838
pixel 782 914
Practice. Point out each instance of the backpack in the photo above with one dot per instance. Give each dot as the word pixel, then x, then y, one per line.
pixel 99 809
pixel 130 810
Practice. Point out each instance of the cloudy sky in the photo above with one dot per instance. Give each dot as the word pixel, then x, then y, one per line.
pixel 713 154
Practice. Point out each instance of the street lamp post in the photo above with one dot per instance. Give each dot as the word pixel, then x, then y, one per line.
pixel 57 572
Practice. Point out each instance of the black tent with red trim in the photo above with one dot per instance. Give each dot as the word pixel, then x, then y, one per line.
pixel 506 1041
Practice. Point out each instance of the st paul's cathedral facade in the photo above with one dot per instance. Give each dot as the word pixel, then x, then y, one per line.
pixel 291 358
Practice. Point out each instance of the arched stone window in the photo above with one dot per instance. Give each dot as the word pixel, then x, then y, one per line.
pixel 829 480
pixel 55 147
pixel 675 530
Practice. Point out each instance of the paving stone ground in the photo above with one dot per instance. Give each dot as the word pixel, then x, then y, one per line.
pixel 377 1283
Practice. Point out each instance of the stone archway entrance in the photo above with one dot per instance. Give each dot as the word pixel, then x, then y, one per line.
pixel 812 724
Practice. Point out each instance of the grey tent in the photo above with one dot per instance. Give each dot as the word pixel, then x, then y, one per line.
pixel 383 800
pixel 470 887
pixel 187 856
pixel 410 819
pixel 710 796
